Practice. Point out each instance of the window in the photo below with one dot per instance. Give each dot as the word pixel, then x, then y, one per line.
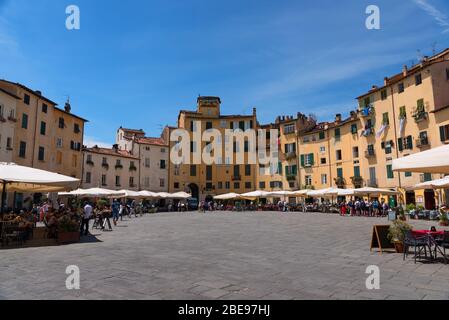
pixel 223 124
pixel 246 146
pixel 41 154
pixel 290 128
pixel 420 105
pixel 9 143
pixel 236 185
pixel 354 128
pixel 356 171
pixel 324 179
pixel 89 158
pixel 337 134
pixel 117 181
pixel 242 125
pixel 43 128
pixel 248 170
pixel 220 185
pixel 131 182
pixel 385 119
pixel 447 74
pixel 340 172
pixel 322 149
pixel 371 150
pixel 76 128
pixel 307 160
pixel 405 143
pixel 367 101
pixel 176 168
pixel 88 177
pixel 193 170
pixel 390 174
pixel 44 108
pixel 22 149
pixel 262 185
pixel 176 185
pixel 208 125
pixel 276 184
pixel 402 112
pixel 407 174
pixel 162 150
pixel 24 121
pixel 444 133
pixel 290 148
pixel 427 177
pixel 146 182
pixel 61 123
pixel 401 87
pixel 74 160
pixel 147 162
pixel 227 185
pixel 355 152
pixel 247 185
pixel 418 79
pixel 58 142
pixel 163 164
pixel 58 157
pixel 383 94
pixel 192 146
pixel 338 155
pixel 291 170
pixel 323 161
pixel 236 171
pixel 321 135
pixel 103 180
pixel 26 99
pixel 308 180
pixel 388 147
pixel 209 173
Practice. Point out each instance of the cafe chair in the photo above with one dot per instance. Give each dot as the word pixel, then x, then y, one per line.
pixel 418 243
pixel 443 243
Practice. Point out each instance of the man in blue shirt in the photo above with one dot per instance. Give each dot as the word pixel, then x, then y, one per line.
pixel 115 211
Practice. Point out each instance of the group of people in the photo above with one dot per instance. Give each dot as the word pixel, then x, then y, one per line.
pixel 367 208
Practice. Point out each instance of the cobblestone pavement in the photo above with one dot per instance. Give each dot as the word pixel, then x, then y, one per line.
pixel 224 256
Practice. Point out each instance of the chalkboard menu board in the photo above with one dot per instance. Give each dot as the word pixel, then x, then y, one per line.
pixel 380 240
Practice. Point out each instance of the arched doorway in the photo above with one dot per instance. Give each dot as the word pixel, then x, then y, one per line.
pixel 194 190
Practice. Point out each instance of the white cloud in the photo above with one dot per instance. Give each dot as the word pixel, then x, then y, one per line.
pixel 92 141
pixel 432 11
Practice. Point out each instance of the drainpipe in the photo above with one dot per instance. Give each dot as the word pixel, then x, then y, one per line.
pixel 395 132
pixel 35 133
pixel 329 155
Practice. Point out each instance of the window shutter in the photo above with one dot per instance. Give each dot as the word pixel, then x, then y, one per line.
pixel 383 145
pixel 409 142
pixel 303 160
pixel 400 144
pixel 442 134
pixel 312 162
pixel 295 170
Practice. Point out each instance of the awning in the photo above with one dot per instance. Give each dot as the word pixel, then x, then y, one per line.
pixel 94 193
pixel 432 161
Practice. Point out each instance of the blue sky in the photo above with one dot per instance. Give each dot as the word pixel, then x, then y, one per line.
pixel 137 63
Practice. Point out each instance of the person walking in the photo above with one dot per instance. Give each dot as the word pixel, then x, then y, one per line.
pixel 87 214
pixel 115 211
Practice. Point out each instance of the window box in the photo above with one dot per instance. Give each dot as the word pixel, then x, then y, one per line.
pixel 420 116
pixel 118 166
pixel 132 168
pixel 340 182
pixel 12 118
pixel 90 162
pixel 370 153
pixel 422 142
pixel 105 165
pixel 290 155
pixel 291 177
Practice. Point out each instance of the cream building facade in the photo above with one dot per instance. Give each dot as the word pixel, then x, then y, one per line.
pixel 8 107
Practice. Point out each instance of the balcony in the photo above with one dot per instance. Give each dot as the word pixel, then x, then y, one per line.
pixel 132 168
pixel 291 177
pixel 372 183
pixel 420 116
pixel 118 166
pixel 366 111
pixel 12 118
pixel 370 154
pixel 90 162
pixel 357 181
pixel 340 182
pixel 422 142
pixel 368 132
pixel 236 178
pixel 105 165
pixel 290 155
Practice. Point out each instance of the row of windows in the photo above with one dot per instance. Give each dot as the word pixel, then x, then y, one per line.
pixel 233 125
pixel 118 182
pixel 236 171
pixel 76 126
pixel 119 165
pixel 8 143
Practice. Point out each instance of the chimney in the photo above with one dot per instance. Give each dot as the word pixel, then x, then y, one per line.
pixel 338 117
pixel 386 81
pixel 254 111
pixel 67 106
pixel 374 87
pixel 38 92
pixel 405 71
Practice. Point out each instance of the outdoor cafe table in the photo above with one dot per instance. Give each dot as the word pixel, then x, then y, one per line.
pixel 432 235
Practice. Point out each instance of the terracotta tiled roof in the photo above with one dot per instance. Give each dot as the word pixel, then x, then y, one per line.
pixel 111 152
pixel 137 131
pixel 152 141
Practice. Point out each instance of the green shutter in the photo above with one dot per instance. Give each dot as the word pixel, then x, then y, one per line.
pixel 280 168
pixel 409 142
pixel 442 134
pixel 400 144
pixel 390 174
pixel 295 170
pixel 312 162
pixel 303 160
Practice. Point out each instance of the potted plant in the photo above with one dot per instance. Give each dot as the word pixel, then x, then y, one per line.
pixel 400 213
pixel 68 230
pixel 411 210
pixel 444 221
pixel 396 234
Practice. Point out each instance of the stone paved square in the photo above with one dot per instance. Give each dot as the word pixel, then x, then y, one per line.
pixel 224 255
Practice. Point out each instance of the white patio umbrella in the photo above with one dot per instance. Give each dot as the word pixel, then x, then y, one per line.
pixel 281 193
pixel 432 161
pixel 301 193
pixel 328 192
pixel 130 194
pixel 148 194
pixel 94 193
pixel 163 195
pixel 180 195
pixel 256 194
pixel 346 192
pixel 368 191
pixel 25 179
pixel 229 196
pixel 434 184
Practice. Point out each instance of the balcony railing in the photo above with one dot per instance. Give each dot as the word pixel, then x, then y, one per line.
pixel 340 182
pixel 105 165
pixel 366 111
pixel 291 177
pixel 236 178
pixel 357 180
pixel 370 153
pixel 118 166
pixel 372 183
pixel 420 116
pixel 422 142
pixel 12 118
pixel 132 168
pixel 290 155
pixel 90 162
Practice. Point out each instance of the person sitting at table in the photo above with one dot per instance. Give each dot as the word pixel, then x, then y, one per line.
pixel 433 229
